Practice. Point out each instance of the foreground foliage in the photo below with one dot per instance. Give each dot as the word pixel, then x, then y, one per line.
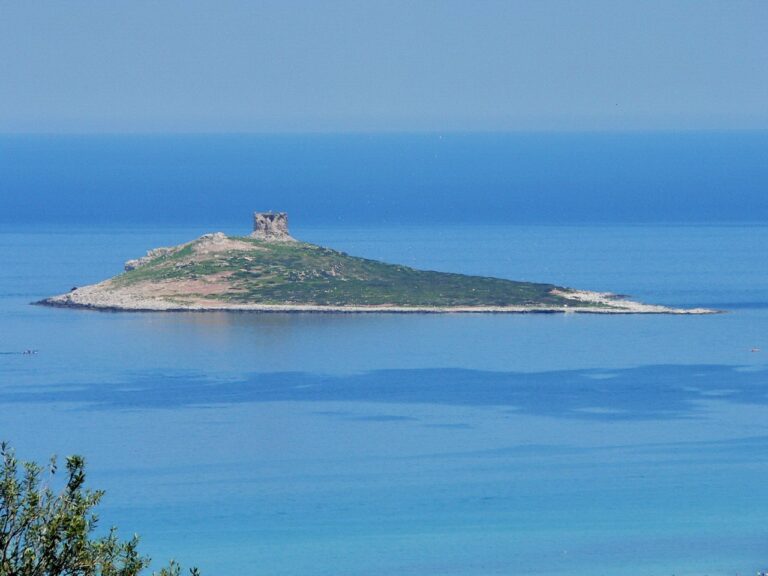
pixel 45 533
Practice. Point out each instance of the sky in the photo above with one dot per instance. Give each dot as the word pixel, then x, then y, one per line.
pixel 191 66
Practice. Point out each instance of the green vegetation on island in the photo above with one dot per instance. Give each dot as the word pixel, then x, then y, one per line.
pixel 262 271
pixel 271 271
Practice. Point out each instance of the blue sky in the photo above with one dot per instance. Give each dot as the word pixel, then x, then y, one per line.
pixel 348 66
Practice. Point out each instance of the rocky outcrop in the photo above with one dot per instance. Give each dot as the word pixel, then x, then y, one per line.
pixel 271 226
pixel 147 298
pixel 151 255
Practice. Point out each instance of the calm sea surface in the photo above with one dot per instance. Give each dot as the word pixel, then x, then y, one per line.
pixel 414 445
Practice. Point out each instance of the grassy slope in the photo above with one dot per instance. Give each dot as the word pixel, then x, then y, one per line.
pixel 300 273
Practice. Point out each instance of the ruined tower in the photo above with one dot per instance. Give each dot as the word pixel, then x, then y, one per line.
pixel 271 226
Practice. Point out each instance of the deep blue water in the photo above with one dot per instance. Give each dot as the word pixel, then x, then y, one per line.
pixel 386 179
pixel 428 444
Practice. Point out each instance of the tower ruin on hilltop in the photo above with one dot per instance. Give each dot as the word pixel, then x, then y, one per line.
pixel 272 226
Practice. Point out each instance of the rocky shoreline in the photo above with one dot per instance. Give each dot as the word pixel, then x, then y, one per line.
pixel 103 298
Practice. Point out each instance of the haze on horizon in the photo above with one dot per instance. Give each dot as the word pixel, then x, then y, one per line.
pixel 349 66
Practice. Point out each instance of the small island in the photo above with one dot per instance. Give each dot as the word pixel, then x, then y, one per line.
pixel 270 271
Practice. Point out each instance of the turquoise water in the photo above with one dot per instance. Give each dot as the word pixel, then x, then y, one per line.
pixel 426 444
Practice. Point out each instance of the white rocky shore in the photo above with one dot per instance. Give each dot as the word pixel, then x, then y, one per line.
pixel 105 296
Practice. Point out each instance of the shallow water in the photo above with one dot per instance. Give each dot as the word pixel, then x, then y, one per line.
pixel 427 444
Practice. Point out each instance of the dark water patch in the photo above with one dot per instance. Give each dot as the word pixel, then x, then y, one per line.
pixel 648 392
pixel 451 426
pixel 344 415
pixel 731 449
pixel 383 418
pixel 745 447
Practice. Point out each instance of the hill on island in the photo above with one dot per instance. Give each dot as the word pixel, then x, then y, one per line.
pixel 269 270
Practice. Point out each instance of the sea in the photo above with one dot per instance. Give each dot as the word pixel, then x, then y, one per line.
pixel 426 444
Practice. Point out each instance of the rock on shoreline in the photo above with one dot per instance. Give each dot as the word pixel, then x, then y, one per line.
pixel 100 297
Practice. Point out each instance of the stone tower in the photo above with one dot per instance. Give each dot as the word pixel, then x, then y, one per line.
pixel 271 226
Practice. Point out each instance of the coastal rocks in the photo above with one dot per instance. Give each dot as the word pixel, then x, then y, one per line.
pixel 271 226
pixel 151 255
pixel 205 245
pixel 167 297
pixel 209 244
pixel 214 238
pixel 121 300
pixel 609 302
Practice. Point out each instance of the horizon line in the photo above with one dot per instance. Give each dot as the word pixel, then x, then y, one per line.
pixel 541 131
